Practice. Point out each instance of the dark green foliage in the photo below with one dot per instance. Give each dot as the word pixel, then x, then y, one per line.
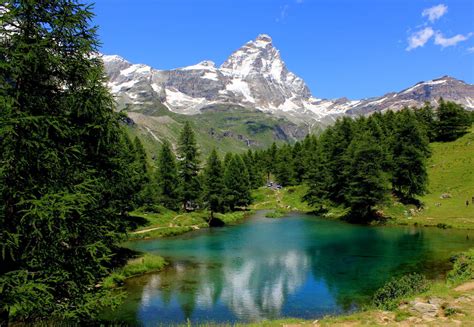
pixel 298 154
pixel 270 158
pixel 64 174
pixel 334 143
pixel 254 169
pixel 284 166
pixel 410 150
pixel 237 185
pixel 453 121
pixel 427 118
pixel 166 177
pixel 389 296
pixel 463 268
pixel 213 184
pixel 143 193
pixel 367 182
pixel 316 178
pixel 188 168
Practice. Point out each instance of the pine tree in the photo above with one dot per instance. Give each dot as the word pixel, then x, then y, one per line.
pixel 316 178
pixel 253 169
pixel 237 185
pixel 334 143
pixel 227 158
pixel 270 159
pixel 167 177
pixel 188 168
pixel 410 150
pixel 298 163
pixel 367 182
pixel 142 175
pixel 453 121
pixel 284 168
pixel 63 172
pixel 426 117
pixel 213 183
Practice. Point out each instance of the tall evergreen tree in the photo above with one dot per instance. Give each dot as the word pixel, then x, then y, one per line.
pixel 284 168
pixel 453 121
pixel 227 158
pixel 63 173
pixel 188 164
pixel 334 143
pixel 410 151
pixel 270 160
pixel 237 185
pixel 142 175
pixel 253 169
pixel 426 117
pixel 167 177
pixel 367 182
pixel 213 183
pixel 316 178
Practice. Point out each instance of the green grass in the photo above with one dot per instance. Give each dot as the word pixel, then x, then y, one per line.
pixel 451 171
pixel 275 214
pixel 169 223
pixel 226 128
pixel 134 267
pixel 284 200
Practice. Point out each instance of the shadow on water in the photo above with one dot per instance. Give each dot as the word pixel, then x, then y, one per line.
pixel 299 266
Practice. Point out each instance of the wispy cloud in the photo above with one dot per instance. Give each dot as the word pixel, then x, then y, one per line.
pixel 299 1
pixel 435 13
pixel 419 38
pixel 450 41
pixel 470 50
pixel 283 13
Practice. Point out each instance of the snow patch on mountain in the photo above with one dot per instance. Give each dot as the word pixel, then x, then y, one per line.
pixel 255 76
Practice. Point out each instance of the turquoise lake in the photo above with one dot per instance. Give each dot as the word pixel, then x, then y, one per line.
pixel 297 266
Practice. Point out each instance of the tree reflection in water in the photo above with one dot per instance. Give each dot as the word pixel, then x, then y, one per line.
pixel 266 268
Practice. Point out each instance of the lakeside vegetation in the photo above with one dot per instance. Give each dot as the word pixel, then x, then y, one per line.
pixel 449 300
pixel 138 265
pixel 74 185
pixel 451 184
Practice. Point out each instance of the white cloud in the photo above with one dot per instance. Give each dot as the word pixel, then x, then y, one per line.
pixel 450 41
pixel 419 38
pixel 283 13
pixel 435 13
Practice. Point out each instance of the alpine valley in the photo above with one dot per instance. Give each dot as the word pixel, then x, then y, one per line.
pixel 251 100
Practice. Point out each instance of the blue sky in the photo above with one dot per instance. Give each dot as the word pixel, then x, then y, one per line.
pixel 340 48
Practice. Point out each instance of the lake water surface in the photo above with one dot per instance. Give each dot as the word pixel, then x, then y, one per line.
pixel 298 266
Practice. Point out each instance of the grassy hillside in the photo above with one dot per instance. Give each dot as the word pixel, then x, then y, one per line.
pixel 228 128
pixel 451 172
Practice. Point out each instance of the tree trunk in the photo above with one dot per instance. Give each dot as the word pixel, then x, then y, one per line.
pixel 4 318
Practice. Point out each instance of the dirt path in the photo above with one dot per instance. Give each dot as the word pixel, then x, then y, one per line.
pixel 161 227
pixel 469 286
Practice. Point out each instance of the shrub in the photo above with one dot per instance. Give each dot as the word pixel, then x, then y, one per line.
pixel 463 268
pixel 275 214
pixel 134 267
pixel 388 296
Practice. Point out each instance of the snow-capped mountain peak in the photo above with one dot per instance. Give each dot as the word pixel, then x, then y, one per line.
pixel 255 76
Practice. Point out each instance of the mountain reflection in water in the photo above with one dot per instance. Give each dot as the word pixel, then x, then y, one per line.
pixel 299 266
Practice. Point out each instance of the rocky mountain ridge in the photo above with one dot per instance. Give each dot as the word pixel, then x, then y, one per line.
pixel 255 77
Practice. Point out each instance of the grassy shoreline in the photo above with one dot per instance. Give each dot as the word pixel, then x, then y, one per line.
pixel 139 265
pixel 169 223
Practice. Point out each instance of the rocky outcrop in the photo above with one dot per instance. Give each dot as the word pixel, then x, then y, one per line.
pixel 256 77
